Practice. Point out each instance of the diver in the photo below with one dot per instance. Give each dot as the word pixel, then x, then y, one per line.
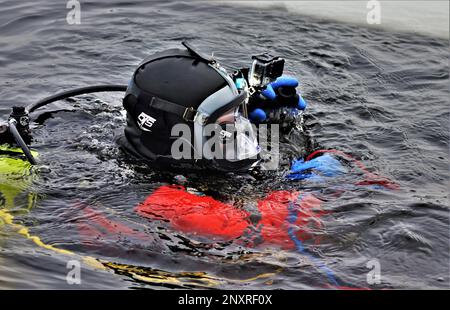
pixel 185 111
pixel 184 90
pixel 181 91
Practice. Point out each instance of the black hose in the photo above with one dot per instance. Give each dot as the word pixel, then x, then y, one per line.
pixel 59 96
pixel 20 142
pixel 75 92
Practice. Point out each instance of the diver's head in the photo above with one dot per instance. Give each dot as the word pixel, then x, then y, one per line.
pixel 184 109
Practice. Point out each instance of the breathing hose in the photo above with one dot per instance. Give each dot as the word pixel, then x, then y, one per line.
pixel 75 92
pixel 18 138
pixel 15 133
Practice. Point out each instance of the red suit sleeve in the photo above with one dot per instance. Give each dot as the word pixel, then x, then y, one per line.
pixel 195 214
pixel 205 216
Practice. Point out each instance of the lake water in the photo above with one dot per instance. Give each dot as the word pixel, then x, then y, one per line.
pixel 379 93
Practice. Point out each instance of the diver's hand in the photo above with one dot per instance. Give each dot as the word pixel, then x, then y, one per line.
pixel 316 169
pixel 279 102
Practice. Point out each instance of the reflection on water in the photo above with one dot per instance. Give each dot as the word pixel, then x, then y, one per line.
pixel 424 17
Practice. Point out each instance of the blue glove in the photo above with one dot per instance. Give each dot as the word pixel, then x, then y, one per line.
pixel 282 81
pixel 273 100
pixel 316 169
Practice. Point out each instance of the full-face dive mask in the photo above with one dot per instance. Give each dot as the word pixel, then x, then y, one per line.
pixel 184 109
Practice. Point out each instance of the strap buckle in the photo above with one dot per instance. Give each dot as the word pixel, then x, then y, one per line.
pixel 189 114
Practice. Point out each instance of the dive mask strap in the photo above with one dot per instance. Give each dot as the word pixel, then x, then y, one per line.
pixel 189 114
pixel 186 113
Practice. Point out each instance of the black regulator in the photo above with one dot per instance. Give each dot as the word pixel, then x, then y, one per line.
pixel 17 130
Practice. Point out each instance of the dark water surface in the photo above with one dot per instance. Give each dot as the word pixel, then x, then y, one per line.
pixel 381 96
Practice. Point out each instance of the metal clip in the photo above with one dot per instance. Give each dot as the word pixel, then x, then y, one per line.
pixel 189 114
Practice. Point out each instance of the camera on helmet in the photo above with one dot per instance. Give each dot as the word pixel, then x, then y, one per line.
pixel 265 69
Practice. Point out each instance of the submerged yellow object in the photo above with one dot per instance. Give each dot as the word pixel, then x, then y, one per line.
pixel 16 176
pixel 12 159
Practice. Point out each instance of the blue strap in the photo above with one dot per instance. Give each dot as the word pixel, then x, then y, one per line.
pixel 292 218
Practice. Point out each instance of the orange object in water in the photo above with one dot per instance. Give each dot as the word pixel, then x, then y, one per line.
pixel 205 216
pixel 194 214
pixel 275 211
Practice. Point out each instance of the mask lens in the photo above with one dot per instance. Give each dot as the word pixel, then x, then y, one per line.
pixel 238 140
pixel 247 144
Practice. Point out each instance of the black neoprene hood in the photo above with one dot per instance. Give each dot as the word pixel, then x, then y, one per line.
pixel 180 79
pixel 163 88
